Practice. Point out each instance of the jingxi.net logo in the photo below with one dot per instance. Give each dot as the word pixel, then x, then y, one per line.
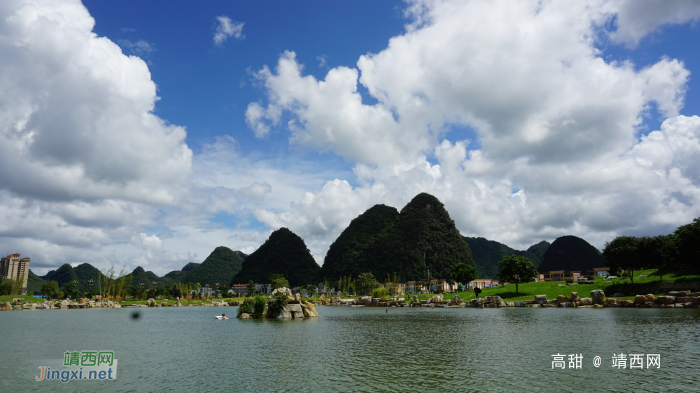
pixel 80 366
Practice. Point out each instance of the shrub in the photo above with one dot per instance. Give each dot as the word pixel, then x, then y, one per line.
pixel 569 281
pixel 279 301
pixel 380 292
pixel 246 307
pixel 259 306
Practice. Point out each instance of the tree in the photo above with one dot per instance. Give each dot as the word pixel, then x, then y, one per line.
pixel 251 288
pixel 6 287
pixel 688 241
pixel 516 269
pixel 464 273
pixel 278 281
pixel 658 252
pixel 367 282
pixel 623 253
pixel 70 290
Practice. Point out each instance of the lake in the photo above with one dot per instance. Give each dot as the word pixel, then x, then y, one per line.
pixel 359 349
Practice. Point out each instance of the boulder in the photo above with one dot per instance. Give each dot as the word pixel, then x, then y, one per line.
pixel 164 304
pixel 309 310
pixel 586 301
pixel 639 299
pixel 435 299
pixel 625 303
pixel 6 306
pixel 151 302
pixel 649 298
pixel 493 299
pixel 84 301
pixel 296 299
pixel 456 300
pixel 665 300
pixel 65 303
pixel 177 303
pixel 295 310
pixel 116 305
pixel 574 297
pixel 244 316
pixel 598 296
pixel 541 299
pixel 610 301
pixel 562 299
pixel 679 293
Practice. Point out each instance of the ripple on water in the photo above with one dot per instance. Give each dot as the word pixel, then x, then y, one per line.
pixel 358 349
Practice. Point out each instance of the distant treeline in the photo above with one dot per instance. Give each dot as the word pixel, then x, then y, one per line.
pixel 677 252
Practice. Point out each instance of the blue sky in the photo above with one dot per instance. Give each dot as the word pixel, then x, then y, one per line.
pixel 140 140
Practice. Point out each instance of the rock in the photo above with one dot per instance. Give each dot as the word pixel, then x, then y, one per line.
pixel 7 306
pixel 84 301
pixel 456 300
pixel 491 305
pixel 668 306
pixel 510 304
pixel 665 300
pixel 586 301
pixel 493 299
pixel 688 305
pixel 296 299
pixel 563 304
pixel 164 304
pixel 245 316
pixel 65 303
pixel 649 298
pixel 541 299
pixel 679 293
pixel 534 305
pixel 610 301
pixel 177 303
pixel 151 302
pixel 574 297
pixel 639 299
pixel 619 294
pixel 597 306
pixel 309 310
pixel 435 299
pixel 598 296
pixel 295 310
pixel 116 305
pixel 562 299
pixel 625 303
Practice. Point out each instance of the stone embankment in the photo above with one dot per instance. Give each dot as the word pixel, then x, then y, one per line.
pixel 295 308
pixel 20 304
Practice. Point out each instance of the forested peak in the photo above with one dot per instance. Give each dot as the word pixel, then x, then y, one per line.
pixel 423 201
pixel 189 266
pixel 539 249
pixel 571 253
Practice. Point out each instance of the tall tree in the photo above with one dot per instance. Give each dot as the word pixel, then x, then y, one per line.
pixel 623 253
pixel 516 269
pixel 688 241
pixel 464 273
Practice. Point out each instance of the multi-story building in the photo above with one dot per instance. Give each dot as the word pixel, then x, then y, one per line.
pixel 14 268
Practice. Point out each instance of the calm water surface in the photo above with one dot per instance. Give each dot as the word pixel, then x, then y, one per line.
pixel 357 349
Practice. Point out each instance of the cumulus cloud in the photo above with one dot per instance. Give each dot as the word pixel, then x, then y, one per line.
pixel 557 147
pixel 227 28
pixel 637 18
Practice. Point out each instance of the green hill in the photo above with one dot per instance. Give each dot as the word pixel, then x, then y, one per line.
pixel 282 253
pixel 189 266
pixel 487 254
pixel 63 275
pixel 345 255
pixel 219 267
pixel 539 249
pixel 571 253
pixel 421 240
pixel 34 282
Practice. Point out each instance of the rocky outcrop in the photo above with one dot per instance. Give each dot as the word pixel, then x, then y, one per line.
pixel 540 299
pixel 151 302
pixel 586 301
pixel 7 306
pixel 309 310
pixel 598 296
pixel 665 300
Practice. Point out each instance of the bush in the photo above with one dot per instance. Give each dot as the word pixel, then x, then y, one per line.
pixel 279 301
pixel 259 306
pixel 380 292
pixel 246 307
pixel 569 281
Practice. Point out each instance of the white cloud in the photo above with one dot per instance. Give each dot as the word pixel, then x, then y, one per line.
pixel 637 18
pixel 227 28
pixel 557 126
pixel 322 60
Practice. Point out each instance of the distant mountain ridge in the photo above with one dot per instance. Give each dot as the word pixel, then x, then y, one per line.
pixel 571 253
pixel 487 254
